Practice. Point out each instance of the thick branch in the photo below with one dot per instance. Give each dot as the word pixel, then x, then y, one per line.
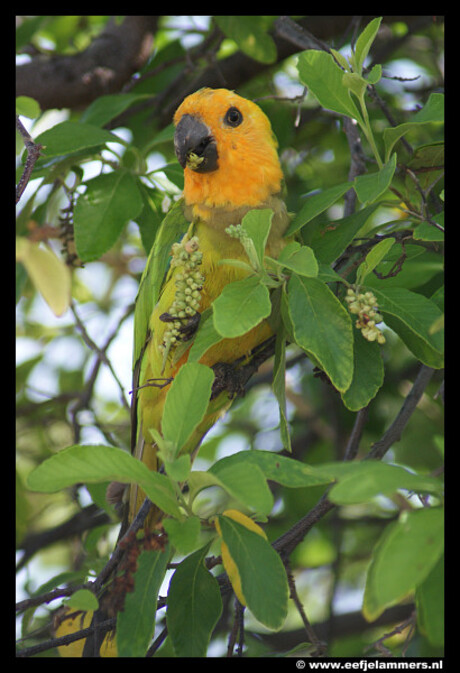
pixel 104 67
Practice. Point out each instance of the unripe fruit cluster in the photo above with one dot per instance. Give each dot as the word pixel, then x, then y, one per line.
pixel 237 231
pixel 364 305
pixel 189 282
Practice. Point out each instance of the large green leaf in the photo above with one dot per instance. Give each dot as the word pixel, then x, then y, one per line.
pixel 430 605
pixel 136 623
pixel 337 236
pixel 321 74
pixel 257 225
pixel 249 487
pixel 364 42
pixel 370 186
pixel 194 606
pixel 368 373
pixel 316 204
pixel 241 306
pixel 361 481
pixel 70 137
pixel 186 403
pixel 106 108
pixel 404 556
pixel 101 213
pixel 433 111
pixel 261 571
pixel 281 469
pixel 95 463
pixel 411 316
pixel 322 327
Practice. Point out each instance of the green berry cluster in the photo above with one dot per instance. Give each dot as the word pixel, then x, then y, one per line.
pixel 237 231
pixel 364 305
pixel 189 282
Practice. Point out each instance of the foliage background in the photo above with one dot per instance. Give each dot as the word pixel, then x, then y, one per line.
pixel 73 376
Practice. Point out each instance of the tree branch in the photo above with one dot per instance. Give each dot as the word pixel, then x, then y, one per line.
pixel 75 80
pixel 286 544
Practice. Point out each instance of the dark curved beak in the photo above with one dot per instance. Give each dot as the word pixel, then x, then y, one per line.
pixel 194 145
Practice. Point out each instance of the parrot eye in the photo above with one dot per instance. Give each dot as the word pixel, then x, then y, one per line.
pixel 233 117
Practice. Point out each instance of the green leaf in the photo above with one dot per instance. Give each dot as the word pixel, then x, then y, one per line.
pixel 364 42
pixel 375 74
pixel 429 599
pixel 183 534
pixel 300 259
pixel 355 83
pixel 194 606
pixel 179 468
pixel 83 599
pixel 316 204
pixel 433 111
pixel 241 306
pixel 136 623
pixel 322 327
pixel 279 374
pixel 106 108
pixel 403 558
pixel 27 107
pixel 321 74
pixel 341 60
pixel 48 272
pixel 373 258
pixel 257 225
pixel 281 469
pixel 427 232
pixel 250 34
pixel 101 213
pixel 186 402
pixel 338 235
pixel 411 315
pixel 249 487
pixel 263 578
pixel 95 463
pixel 368 373
pixel 69 137
pixel 205 337
pixel 360 482
pixel 372 185
pixel 412 266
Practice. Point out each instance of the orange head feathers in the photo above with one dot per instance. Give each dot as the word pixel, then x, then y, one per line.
pixel 228 150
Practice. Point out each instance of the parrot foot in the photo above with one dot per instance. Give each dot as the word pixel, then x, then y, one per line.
pixel 228 377
pixel 190 326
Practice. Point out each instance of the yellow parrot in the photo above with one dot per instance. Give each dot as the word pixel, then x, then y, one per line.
pixel 228 151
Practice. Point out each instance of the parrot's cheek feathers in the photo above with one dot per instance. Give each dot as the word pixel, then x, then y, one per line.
pixel 195 147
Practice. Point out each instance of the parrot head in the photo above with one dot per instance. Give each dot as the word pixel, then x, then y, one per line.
pixel 228 151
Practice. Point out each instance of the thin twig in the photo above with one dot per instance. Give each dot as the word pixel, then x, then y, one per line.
pixel 100 355
pixel 236 636
pixel 393 434
pixel 356 434
pixel 112 563
pixel 108 625
pixel 319 647
pixel 33 152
